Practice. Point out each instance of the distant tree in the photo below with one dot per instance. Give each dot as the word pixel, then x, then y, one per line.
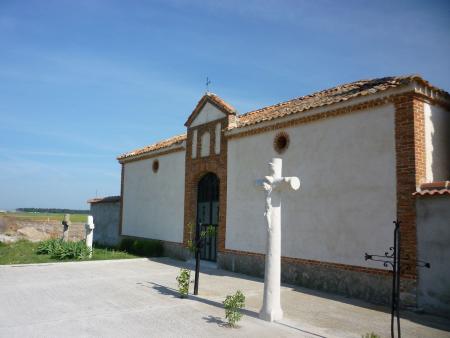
pixel 54 210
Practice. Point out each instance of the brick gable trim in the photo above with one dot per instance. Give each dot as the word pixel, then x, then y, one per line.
pixel 216 101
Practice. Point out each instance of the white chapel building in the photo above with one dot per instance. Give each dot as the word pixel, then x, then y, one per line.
pixel 364 151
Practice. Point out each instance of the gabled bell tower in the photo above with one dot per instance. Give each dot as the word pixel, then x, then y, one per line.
pixel 206 153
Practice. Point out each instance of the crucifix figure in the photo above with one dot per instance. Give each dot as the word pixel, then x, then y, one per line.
pixel 273 185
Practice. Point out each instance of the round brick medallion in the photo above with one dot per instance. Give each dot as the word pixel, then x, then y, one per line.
pixel 281 142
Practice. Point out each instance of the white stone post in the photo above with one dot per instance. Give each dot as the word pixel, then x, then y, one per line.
pixel 89 226
pixel 66 224
pixel 273 185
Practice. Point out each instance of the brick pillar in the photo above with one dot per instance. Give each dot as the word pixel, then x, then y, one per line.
pixel 410 165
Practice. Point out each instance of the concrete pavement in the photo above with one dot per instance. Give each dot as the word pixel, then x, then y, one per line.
pixel 138 298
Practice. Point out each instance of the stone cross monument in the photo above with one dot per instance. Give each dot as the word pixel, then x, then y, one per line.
pixel 66 223
pixel 273 186
pixel 89 226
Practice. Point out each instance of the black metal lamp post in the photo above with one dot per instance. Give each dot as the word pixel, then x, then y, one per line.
pixel 198 246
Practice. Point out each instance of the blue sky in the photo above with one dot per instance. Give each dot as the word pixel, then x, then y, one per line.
pixel 84 81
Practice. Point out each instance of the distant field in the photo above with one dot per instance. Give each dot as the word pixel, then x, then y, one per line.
pixel 40 216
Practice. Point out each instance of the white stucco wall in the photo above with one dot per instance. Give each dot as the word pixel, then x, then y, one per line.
pixel 106 220
pixel 433 238
pixel 437 143
pixel 154 202
pixel 194 144
pixel 209 113
pixel 347 200
pixel 205 144
pixel 218 132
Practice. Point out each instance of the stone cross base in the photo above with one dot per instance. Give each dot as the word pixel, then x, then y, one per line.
pixel 272 315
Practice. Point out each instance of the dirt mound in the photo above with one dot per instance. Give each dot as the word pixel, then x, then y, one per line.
pixel 13 229
pixel 32 234
pixel 8 225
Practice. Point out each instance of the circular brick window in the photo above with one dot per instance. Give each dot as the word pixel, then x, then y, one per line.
pixel 155 166
pixel 281 142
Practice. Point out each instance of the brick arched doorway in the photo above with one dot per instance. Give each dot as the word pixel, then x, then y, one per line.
pixel 208 213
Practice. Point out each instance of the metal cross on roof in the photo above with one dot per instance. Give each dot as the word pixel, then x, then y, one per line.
pixel 208 82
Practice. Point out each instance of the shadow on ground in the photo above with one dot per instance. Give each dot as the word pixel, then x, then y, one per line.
pixel 420 318
pixel 167 291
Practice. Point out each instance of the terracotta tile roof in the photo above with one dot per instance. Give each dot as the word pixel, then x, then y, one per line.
pixel 219 101
pixel 434 188
pixel 326 97
pixel 162 144
pixel 330 96
pixel 109 199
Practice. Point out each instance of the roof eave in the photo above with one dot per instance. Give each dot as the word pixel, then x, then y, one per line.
pixel 322 108
pixel 160 151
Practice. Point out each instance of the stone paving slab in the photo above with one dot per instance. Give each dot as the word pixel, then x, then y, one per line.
pixel 138 298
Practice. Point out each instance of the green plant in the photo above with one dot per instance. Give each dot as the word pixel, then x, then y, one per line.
pixel 63 250
pixel 370 335
pixel 209 232
pixel 48 247
pixel 233 305
pixel 142 247
pixel 183 280
pixel 24 252
pixel 190 242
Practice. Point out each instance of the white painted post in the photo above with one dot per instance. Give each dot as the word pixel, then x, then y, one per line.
pixel 89 226
pixel 273 185
pixel 66 224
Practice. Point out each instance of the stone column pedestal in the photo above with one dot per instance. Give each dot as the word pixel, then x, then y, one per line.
pixel 89 226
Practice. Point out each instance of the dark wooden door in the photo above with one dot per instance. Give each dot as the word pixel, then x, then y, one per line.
pixel 208 213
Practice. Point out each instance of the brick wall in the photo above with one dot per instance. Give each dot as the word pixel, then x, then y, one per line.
pixel 410 165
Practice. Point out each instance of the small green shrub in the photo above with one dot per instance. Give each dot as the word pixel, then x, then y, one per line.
pixel 63 250
pixel 233 305
pixel 48 247
pixel 370 335
pixel 209 232
pixel 142 247
pixel 183 280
